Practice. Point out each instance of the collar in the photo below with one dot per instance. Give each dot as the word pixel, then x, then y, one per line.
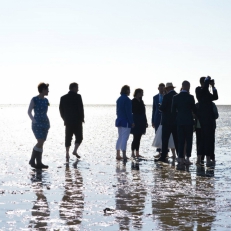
pixel 170 91
pixel 72 92
pixel 184 91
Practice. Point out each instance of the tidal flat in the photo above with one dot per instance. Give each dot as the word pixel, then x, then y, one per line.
pixel 141 196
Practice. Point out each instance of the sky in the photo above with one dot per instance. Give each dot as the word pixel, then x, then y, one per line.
pixel 104 44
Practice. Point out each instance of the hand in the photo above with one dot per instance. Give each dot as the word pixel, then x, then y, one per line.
pixel 34 121
pixel 208 77
pixel 153 125
pixel 146 125
pixel 133 125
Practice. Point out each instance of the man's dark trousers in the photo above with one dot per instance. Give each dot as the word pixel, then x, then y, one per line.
pixel 166 132
pixel 185 134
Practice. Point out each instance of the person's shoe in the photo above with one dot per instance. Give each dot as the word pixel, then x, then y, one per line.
pixel 76 154
pixel 161 159
pixel 40 165
pixel 157 156
pixel 119 158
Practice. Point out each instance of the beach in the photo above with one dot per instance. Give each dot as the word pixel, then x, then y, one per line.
pixel 74 196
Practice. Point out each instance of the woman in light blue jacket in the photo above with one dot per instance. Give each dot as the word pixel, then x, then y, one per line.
pixel 124 121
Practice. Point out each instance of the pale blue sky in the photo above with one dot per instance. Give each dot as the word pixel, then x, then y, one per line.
pixel 103 45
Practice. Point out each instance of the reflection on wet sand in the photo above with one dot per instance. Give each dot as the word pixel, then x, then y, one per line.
pixel 130 199
pixel 72 205
pixel 40 211
pixel 179 203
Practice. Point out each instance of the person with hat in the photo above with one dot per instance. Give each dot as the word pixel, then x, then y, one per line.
pixel 168 121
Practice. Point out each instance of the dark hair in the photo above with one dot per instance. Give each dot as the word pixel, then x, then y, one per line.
pixel 185 83
pixel 137 91
pixel 125 89
pixel 73 85
pixel 161 85
pixel 42 86
pixel 202 80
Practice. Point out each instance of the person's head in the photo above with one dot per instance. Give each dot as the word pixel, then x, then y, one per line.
pixel 202 81
pixel 125 90
pixel 169 87
pixel 43 88
pixel 161 88
pixel 138 93
pixel 74 87
pixel 186 86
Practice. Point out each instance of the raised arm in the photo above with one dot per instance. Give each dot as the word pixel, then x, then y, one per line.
pixel 31 106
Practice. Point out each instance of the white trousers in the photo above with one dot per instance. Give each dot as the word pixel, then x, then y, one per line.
pixel 123 133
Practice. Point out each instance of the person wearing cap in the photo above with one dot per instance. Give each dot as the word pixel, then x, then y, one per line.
pixel 168 122
pixel 40 124
pixel 183 105
pixel 156 113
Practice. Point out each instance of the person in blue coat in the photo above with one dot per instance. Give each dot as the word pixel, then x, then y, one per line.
pixel 156 113
pixel 124 121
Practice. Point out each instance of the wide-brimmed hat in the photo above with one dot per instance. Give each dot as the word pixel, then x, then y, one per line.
pixel 169 85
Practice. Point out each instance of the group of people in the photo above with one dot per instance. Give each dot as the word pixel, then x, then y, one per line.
pixel 174 117
pixel 71 111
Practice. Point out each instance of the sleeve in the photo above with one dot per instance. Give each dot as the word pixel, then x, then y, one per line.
pixel 61 109
pixel 128 110
pixel 31 107
pixel 153 110
pixel 81 109
pixel 214 96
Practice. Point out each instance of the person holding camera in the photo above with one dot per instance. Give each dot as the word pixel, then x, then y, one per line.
pixel 206 118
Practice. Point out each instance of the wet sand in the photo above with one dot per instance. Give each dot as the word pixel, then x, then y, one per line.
pixel 73 196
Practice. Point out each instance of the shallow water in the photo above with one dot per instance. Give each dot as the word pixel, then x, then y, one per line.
pixel 143 196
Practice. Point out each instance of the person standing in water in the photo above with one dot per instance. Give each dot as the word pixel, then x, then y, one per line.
pixel 40 124
pixel 124 121
pixel 72 112
pixel 140 120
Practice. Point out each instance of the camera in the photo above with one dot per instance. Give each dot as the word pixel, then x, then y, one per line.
pixel 211 81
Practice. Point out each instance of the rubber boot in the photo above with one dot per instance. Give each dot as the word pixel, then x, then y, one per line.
pixel 32 159
pixel 40 165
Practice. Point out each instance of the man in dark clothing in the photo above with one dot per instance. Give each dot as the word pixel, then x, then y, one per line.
pixel 156 113
pixel 168 121
pixel 206 117
pixel 183 105
pixel 72 112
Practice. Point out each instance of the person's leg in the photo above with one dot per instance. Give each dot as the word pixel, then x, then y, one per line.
pixel 212 156
pixel 174 130
pixel 138 145
pixel 166 132
pixel 181 142
pixel 125 136
pixel 133 145
pixel 68 138
pixel 173 152
pixel 39 150
pixel 118 144
pixel 201 151
pixel 189 139
pixel 158 149
pixel 78 131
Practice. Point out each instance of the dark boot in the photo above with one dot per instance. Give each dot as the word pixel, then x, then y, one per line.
pixel 39 161
pixel 32 159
